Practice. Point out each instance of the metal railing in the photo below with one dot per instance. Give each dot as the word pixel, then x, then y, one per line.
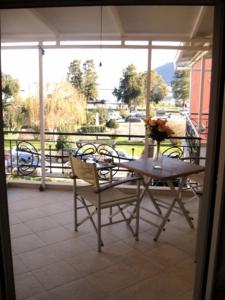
pixel 22 154
pixel 203 131
pixel 194 142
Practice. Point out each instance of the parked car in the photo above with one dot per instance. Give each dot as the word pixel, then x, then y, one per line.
pixel 25 163
pixel 133 119
pixel 115 115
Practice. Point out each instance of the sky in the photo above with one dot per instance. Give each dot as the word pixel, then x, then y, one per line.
pixel 23 65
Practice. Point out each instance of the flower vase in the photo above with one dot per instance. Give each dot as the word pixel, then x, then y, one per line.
pixel 157 158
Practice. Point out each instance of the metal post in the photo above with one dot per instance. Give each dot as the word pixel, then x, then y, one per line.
pixel 42 118
pixel 200 107
pixel 148 90
pixel 190 91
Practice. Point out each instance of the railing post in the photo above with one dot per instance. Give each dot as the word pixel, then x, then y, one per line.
pixel 148 83
pixel 42 118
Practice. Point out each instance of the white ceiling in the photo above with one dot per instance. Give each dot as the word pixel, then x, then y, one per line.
pixel 128 22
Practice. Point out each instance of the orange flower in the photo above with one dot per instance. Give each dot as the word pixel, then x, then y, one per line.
pixel 162 128
pixel 153 123
pixel 169 131
pixel 161 122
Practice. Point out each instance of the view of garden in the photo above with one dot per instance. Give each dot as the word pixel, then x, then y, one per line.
pixel 74 110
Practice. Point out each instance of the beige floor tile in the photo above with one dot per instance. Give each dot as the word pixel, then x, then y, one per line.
pixel 41 224
pixel 38 258
pixel 186 296
pixel 54 235
pixel 185 270
pixel 142 266
pixel 63 218
pixel 91 239
pixel 85 228
pixel 68 248
pixel 115 277
pixel 22 205
pixel 89 262
pixel 56 274
pixel 26 243
pixel 42 296
pixel 82 289
pixel 115 252
pixel 166 255
pixel 145 242
pixel 18 266
pixel 181 239
pixel 156 288
pixel 55 208
pixel 31 214
pixel 26 286
pixel 57 263
pixel 14 219
pixel 19 230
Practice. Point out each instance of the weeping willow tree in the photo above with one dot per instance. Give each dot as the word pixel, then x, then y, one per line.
pixel 65 108
pixel 16 114
pixel 33 116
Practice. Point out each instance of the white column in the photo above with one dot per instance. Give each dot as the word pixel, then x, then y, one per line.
pixel 42 118
pixel 190 91
pixel 201 94
pixel 148 89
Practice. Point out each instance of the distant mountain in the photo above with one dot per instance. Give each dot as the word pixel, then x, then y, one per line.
pixel 167 72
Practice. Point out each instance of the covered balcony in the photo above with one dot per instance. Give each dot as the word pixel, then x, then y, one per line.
pixel 50 259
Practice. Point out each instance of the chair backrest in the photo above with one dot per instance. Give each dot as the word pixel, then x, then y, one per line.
pixel 85 171
pixel 173 152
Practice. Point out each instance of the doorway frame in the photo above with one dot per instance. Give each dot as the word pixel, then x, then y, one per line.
pixel 202 281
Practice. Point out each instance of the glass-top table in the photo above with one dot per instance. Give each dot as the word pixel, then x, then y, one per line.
pixel 171 169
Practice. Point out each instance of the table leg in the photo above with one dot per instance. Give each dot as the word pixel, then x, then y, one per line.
pixel 146 183
pixel 178 197
pixel 165 219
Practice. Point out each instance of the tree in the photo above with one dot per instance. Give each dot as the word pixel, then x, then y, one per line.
pixel 10 87
pixel 89 80
pixel 85 80
pixel 74 75
pixel 180 86
pixel 33 106
pixel 158 87
pixel 65 108
pixel 16 114
pixel 130 89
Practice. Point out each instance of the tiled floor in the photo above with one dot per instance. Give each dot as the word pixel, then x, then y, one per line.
pixel 51 261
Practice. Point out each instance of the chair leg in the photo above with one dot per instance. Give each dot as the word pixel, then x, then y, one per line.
pixel 126 220
pixel 99 229
pixel 137 220
pixel 75 207
pixel 110 214
pixel 138 210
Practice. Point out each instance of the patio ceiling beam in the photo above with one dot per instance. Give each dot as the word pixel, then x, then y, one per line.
pixel 35 13
pixel 198 21
pixel 160 47
pixel 113 10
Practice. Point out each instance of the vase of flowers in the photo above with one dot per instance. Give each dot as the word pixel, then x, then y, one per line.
pixel 158 131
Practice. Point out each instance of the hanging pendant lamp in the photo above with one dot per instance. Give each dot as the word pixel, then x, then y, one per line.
pixel 101 15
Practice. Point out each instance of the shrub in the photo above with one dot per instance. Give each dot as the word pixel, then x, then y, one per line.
pixel 91 129
pixel 112 124
pixel 62 142
pixel 124 113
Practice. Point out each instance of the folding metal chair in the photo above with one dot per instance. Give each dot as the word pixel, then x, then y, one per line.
pixel 102 196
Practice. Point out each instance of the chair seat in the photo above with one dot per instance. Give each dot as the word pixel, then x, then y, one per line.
pixel 110 197
pixel 198 178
